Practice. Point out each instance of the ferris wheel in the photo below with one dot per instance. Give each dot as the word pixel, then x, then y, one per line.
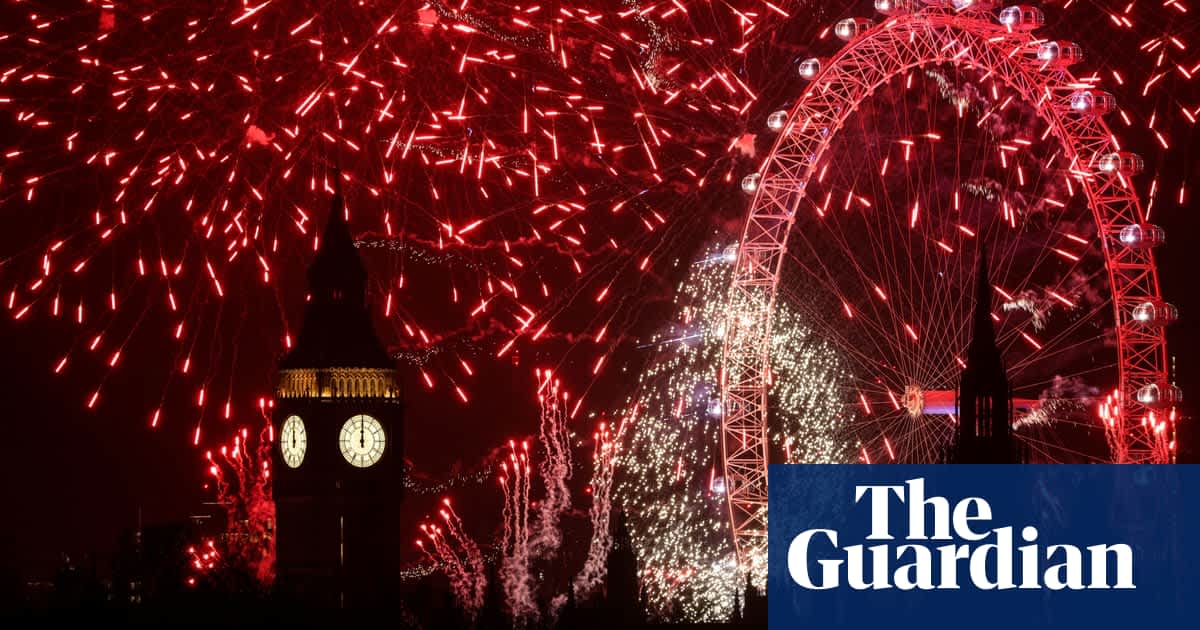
pixel 945 132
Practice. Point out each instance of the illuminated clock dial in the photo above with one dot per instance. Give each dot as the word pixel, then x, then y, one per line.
pixel 362 441
pixel 293 441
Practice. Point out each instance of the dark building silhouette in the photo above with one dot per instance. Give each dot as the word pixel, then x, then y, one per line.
pixel 984 404
pixel 623 587
pixel 77 584
pixel 165 569
pixel 338 464
pixel 751 608
pixel 151 564
pixel 618 602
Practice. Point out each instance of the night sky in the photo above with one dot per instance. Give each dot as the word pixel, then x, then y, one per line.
pixel 74 478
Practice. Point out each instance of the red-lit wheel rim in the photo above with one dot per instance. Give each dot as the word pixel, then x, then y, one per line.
pixel 898 45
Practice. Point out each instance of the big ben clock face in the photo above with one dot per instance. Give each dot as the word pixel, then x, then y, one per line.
pixel 293 441
pixel 362 441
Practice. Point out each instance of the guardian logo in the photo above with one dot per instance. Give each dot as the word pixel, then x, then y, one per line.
pixel 983 546
pixel 949 545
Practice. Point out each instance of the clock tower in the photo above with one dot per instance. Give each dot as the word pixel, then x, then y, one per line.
pixel 984 433
pixel 338 462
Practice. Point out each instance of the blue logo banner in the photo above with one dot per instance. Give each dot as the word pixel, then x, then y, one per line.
pixel 1035 546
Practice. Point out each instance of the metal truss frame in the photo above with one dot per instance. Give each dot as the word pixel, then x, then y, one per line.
pixel 932 35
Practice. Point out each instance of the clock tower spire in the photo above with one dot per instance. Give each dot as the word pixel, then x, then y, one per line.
pixel 338 465
pixel 983 434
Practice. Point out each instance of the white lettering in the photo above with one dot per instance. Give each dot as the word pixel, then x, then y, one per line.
pixel 1055 578
pixel 1099 559
pixel 916 512
pixel 997 564
pixel 919 572
pixel 980 574
pixel 963 517
pixel 798 561
pixel 879 508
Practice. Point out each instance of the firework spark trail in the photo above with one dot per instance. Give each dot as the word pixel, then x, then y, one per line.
pixel 555 466
pixel 515 559
pixel 603 468
pixel 520 545
pixel 671 481
pixel 433 558
pixel 246 498
pixel 523 579
pixel 507 512
pixel 456 554
pixel 1109 413
pixel 476 576
pixel 445 557
pixel 203 559
pixel 210 127
pixel 209 131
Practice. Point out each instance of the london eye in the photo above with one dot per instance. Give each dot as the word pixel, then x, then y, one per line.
pixel 944 132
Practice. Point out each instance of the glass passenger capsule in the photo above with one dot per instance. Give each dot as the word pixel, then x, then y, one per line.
pixel 750 183
pixel 1122 162
pixel 1095 102
pixel 851 29
pixel 777 120
pixel 1022 17
pixel 1142 236
pixel 1059 53
pixel 1159 395
pixel 1155 313
pixel 809 68
pixel 894 7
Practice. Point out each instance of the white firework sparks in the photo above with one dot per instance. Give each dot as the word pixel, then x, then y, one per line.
pixel 671 482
